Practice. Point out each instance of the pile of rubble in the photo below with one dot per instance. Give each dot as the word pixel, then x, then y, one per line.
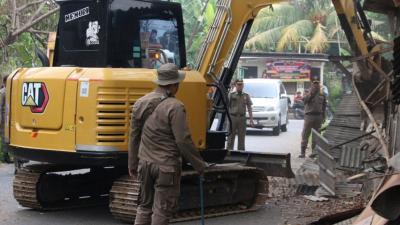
pixel 348 163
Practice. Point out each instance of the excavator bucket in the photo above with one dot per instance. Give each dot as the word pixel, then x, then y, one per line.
pixel 274 164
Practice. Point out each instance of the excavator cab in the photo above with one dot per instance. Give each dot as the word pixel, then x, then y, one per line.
pixel 119 33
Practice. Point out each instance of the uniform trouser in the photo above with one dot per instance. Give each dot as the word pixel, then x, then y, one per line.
pixel 239 128
pixel 310 121
pixel 159 193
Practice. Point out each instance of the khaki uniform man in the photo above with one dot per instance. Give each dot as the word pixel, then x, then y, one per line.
pixel 159 137
pixel 238 101
pixel 315 105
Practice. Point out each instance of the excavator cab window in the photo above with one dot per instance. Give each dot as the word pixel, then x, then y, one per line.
pixel 120 33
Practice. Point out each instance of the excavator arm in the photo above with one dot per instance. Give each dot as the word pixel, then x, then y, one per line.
pixel 223 46
pixel 349 15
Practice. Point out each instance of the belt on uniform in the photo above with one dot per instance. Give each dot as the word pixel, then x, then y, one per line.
pixel 234 114
pixel 313 114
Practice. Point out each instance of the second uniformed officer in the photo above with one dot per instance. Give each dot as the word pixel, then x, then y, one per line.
pixel 159 137
pixel 238 102
pixel 314 109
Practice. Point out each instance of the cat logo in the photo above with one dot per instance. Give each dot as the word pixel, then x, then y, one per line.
pixel 35 95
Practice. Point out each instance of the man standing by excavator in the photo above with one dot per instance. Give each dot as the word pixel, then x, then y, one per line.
pixel 238 102
pixel 159 137
pixel 314 109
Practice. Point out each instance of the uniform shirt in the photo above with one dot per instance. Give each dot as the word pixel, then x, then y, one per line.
pixel 315 104
pixel 238 102
pixel 165 136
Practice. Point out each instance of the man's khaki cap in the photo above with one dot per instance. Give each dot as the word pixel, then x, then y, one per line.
pixel 169 74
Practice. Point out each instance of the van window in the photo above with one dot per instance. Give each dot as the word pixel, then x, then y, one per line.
pixel 282 89
pixel 261 90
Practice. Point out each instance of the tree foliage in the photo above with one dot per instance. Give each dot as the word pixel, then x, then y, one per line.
pixel 24 25
pixel 197 16
pixel 306 26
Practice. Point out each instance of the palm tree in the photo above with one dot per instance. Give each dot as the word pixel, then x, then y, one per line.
pixel 291 26
pixel 305 25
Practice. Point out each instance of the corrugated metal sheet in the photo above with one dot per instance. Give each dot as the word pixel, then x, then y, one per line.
pixel 351 157
pixel 348 106
pixel 345 125
pixel 337 135
pixel 327 174
pixel 346 121
pixel 346 190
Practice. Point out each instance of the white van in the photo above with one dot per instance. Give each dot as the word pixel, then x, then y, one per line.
pixel 270 104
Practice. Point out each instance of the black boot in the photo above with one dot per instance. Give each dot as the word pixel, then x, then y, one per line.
pixel 303 152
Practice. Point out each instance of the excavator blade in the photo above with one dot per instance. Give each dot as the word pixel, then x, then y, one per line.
pixel 274 164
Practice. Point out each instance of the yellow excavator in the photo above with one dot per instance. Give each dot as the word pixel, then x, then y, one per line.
pixel 73 113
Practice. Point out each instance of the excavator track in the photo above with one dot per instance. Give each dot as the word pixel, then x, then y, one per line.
pixel 41 187
pixel 124 194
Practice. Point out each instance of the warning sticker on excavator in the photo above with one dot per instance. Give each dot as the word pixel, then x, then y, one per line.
pixel 35 96
pixel 84 91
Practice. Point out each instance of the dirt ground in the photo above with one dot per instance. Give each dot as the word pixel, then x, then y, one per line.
pixel 297 210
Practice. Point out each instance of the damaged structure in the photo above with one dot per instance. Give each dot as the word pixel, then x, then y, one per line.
pixel 358 154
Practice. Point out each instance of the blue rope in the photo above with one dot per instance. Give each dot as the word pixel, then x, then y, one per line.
pixel 202 199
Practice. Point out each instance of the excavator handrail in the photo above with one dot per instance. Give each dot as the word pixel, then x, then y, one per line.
pixel 227 24
pixel 222 6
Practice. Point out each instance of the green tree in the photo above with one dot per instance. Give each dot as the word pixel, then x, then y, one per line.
pixel 197 16
pixel 305 25
pixel 24 26
pixel 290 26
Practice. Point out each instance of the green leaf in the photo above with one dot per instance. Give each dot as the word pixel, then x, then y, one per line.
pixel 319 41
pixel 293 33
pixel 264 40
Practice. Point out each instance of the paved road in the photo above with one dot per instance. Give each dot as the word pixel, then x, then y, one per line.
pixel 286 142
pixel 262 141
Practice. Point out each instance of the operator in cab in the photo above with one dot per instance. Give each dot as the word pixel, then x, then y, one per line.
pixel 314 109
pixel 159 138
pixel 238 102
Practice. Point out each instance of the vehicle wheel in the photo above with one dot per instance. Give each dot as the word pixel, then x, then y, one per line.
pixel 284 128
pixel 277 130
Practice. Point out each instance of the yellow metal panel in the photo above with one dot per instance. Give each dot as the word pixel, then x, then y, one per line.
pixel 7 110
pixel 62 139
pixel 103 117
pixel 193 93
pixel 54 80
